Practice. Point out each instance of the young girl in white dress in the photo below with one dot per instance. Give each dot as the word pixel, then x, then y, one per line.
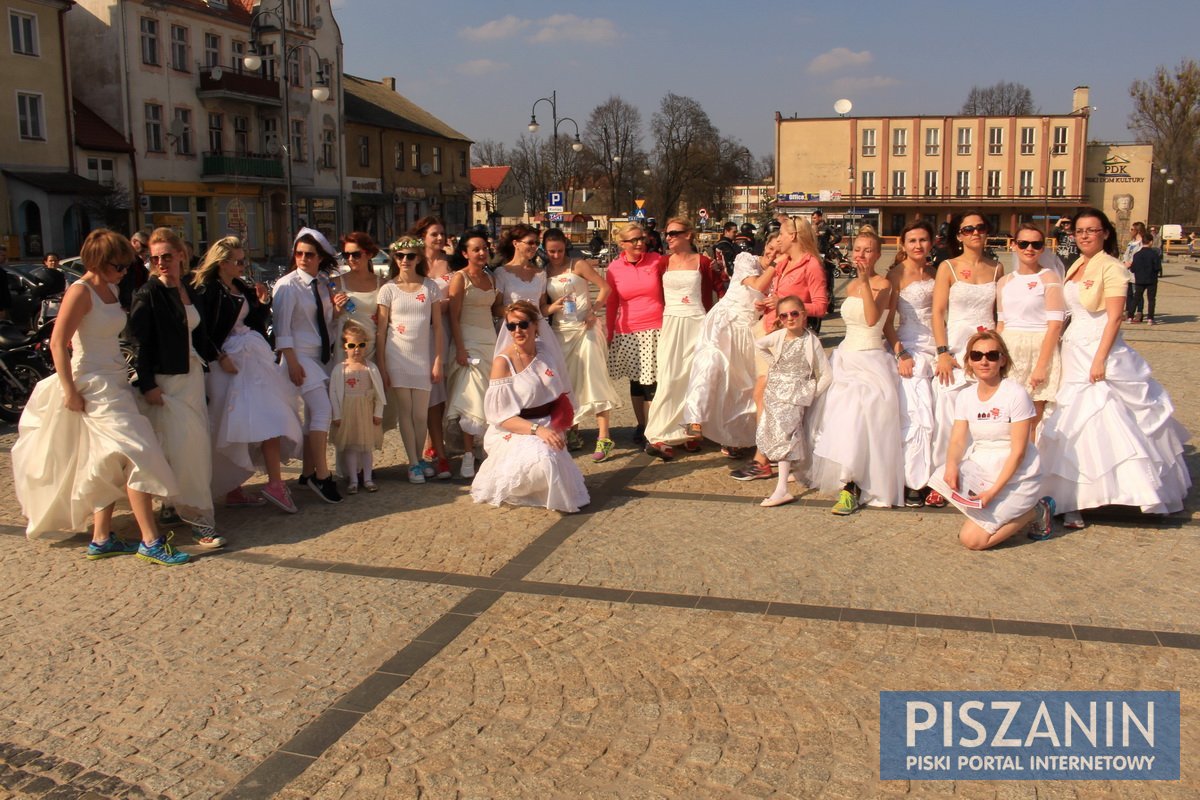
pixel 996 480
pixel 406 318
pixel 357 396
pixel 82 442
pixel 858 452
pixel 909 332
pixel 472 295
pixel 1112 438
pixel 797 372
pixel 528 413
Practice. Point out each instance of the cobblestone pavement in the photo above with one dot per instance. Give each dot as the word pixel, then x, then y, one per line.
pixel 673 641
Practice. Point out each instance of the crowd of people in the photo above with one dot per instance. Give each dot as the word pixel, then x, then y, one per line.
pixel 954 383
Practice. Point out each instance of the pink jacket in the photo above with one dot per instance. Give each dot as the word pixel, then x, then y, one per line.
pixel 636 302
pixel 805 280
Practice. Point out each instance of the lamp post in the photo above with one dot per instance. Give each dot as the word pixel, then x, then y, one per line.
pixel 253 61
pixel 576 145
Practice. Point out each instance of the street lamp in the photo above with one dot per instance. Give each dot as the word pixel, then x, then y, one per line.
pixel 556 120
pixel 1166 182
pixel 320 92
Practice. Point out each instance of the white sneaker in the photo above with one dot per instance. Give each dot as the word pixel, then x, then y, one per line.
pixel 467 470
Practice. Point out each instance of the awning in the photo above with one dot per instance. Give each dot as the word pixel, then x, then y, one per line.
pixel 369 198
pixel 58 182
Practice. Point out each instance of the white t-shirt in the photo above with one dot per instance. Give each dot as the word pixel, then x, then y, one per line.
pixel 989 419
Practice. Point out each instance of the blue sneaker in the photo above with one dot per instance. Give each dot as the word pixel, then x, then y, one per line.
pixel 1042 526
pixel 161 552
pixel 112 547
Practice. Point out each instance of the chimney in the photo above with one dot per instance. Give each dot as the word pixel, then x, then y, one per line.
pixel 391 84
pixel 1079 99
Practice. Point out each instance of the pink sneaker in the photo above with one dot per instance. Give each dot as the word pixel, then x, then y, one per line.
pixel 278 495
pixel 238 498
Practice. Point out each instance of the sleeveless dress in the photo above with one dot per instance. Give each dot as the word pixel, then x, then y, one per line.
pixel 522 469
pixel 250 407
pixel 410 330
pixel 720 391
pixel 365 313
pixel 66 464
pixel 914 305
pixel 856 437
pixel 1116 441
pixel 972 307
pixel 512 289
pixel 683 316
pixel 467 386
pixel 439 392
pixel 1026 302
pixel 584 349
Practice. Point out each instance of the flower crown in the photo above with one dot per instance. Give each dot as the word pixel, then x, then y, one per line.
pixel 406 243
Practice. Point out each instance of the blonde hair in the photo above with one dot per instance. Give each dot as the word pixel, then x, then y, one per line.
pixel 522 307
pixel 102 247
pixel 802 229
pixel 791 298
pixel 352 328
pixel 986 336
pixel 218 251
pixel 867 232
pixel 633 226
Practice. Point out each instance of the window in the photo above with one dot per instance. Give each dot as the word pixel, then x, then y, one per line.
pixel 100 170
pixel 270 134
pixel 995 141
pixel 267 70
pixel 1027 141
pixel 293 69
pixel 414 162
pixel 398 155
pixel 328 142
pixel 238 51
pixel 962 181
pixel 899 183
pixel 364 151
pixel 868 183
pixel 29 115
pixel 1058 182
pixel 1026 183
pixel 183 144
pixel 212 50
pixel 298 138
pixel 994 182
pixel 150 41
pixel 179 48
pixel 933 141
pixel 241 135
pixel 1060 140
pixel 24 33
pixel 154 137
pixel 462 163
pixel 964 141
pixel 437 160
pixel 931 183
pixel 868 141
pixel 900 141
pixel 216 133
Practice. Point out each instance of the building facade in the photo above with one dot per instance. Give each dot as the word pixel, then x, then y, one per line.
pixel 497 201
pixel 219 147
pixel 744 203
pixel 402 163
pixel 888 171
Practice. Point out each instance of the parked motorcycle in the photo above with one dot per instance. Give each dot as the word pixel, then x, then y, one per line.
pixel 24 360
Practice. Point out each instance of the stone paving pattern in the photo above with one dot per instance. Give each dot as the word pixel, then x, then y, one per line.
pixel 120 679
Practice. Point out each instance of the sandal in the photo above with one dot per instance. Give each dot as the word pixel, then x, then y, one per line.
pixel 660 450
pixel 692 445
pixel 1073 520
pixel 935 500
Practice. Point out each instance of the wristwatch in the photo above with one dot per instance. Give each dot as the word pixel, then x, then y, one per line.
pixel 533 428
pixel 943 350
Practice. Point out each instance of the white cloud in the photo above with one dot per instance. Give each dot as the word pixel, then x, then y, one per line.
pixel 502 28
pixel 839 58
pixel 480 66
pixel 546 30
pixel 850 85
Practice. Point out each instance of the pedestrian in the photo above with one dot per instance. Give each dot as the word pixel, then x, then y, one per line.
pixel 797 374
pixel 137 274
pixel 1064 239
pixel 996 481
pixel 173 347
pixel 357 397
pixel 1146 269
pixel 82 443
pixel 726 250
pixel 432 231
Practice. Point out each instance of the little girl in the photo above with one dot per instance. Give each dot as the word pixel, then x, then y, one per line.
pixel 357 396
pixel 798 371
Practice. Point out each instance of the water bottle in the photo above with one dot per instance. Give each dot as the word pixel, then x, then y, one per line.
pixel 569 305
pixel 350 304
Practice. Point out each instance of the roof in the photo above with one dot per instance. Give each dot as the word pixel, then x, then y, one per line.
pixel 93 133
pixel 374 103
pixel 58 182
pixel 488 179
pixel 235 11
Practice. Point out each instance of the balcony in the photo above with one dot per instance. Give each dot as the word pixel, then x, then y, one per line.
pixel 226 166
pixel 226 83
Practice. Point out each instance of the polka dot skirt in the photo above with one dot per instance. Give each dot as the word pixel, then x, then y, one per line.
pixel 634 356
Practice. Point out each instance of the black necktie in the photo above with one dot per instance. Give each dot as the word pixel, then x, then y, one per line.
pixel 321 327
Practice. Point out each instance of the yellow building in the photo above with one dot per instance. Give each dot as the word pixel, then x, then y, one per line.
pixel 888 171
pixel 1117 180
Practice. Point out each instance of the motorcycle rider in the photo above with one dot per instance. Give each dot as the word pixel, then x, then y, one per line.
pixel 827 239
pixel 725 250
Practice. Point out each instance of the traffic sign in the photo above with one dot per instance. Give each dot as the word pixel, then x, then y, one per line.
pixel 639 214
pixel 704 213
pixel 556 202
pixel 639 202
pixel 555 216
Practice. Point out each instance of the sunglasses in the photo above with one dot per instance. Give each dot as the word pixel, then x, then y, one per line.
pixel 406 256
pixel 522 324
pixel 635 240
pixel 991 355
pixel 528 243
pixel 165 258
pixel 355 345
pixel 674 233
pixel 118 267
pixel 354 253
pixel 967 230
pixel 301 254
pixel 790 314
pixel 1023 243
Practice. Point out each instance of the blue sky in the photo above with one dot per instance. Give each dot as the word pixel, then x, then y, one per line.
pixel 479 66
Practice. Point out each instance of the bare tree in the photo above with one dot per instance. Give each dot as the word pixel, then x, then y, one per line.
pixel 685 152
pixel 613 138
pixel 531 162
pixel 489 153
pixel 1002 99
pixel 1166 114
pixel 766 168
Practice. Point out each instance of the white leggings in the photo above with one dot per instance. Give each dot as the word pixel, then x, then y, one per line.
pixel 318 411
pixel 412 413
pixel 356 460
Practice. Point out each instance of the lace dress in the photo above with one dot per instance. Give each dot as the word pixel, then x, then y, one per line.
pixel 914 305
pixel 1116 441
pixel 683 316
pixel 856 437
pixel 793 382
pixel 467 385
pixel 67 464
pixel 583 346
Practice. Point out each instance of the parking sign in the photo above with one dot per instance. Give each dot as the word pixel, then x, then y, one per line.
pixel 555 202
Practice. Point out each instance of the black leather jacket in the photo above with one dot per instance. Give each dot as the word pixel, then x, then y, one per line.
pixel 158 322
pixel 220 308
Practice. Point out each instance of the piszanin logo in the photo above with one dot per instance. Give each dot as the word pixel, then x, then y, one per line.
pixel 1029 735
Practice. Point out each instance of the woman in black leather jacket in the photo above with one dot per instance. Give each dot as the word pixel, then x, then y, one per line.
pixel 253 407
pixel 173 347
